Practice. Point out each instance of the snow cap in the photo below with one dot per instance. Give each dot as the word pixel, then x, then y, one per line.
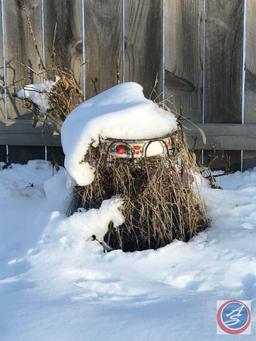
pixel 121 112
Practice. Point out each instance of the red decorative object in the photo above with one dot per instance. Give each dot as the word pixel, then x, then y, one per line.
pixel 120 149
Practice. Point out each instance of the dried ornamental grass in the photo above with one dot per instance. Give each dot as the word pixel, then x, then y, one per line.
pixel 64 96
pixel 160 204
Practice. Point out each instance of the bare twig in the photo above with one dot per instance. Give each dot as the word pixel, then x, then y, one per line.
pixel 28 19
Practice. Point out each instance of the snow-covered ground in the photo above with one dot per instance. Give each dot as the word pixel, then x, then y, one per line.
pixel 56 284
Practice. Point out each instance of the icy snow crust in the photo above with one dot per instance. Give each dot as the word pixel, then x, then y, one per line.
pixel 57 284
pixel 120 112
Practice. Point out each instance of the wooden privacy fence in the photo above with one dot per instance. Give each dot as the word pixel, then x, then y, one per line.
pixel 202 52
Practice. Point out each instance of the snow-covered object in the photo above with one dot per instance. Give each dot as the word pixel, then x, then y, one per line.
pixel 82 225
pixel 121 112
pixel 38 93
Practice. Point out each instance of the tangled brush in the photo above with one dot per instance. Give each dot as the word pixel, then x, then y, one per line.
pixel 64 96
pixel 160 203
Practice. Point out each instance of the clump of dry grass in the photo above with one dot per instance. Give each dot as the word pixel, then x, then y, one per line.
pixel 64 96
pixel 160 204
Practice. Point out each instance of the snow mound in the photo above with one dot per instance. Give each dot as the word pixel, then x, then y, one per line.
pixel 58 190
pixel 51 272
pixel 38 93
pixel 79 227
pixel 121 112
pixel 218 259
pixel 24 181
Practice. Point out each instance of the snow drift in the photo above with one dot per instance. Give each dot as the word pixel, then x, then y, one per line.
pixel 121 112
pixel 56 285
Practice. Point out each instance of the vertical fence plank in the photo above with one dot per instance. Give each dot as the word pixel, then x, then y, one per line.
pixel 103 32
pixel 250 80
pixel 3 73
pixel 143 42
pixel 22 154
pixel 249 159
pixel 1 67
pixel 227 160
pixel 2 154
pixel 56 155
pixel 23 35
pixel 184 44
pixel 250 76
pixel 223 61
pixel 21 50
pixel 66 17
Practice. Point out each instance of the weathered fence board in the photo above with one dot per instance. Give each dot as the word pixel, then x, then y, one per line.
pixel 22 154
pixel 63 35
pixel 143 42
pixel 55 155
pixel 1 68
pixel 219 136
pixel 250 61
pixel 184 61
pixel 227 160
pixel 199 42
pixel 21 49
pixel 103 27
pixel 223 60
pixel 224 137
pixel 249 157
pixel 21 132
pixel 2 153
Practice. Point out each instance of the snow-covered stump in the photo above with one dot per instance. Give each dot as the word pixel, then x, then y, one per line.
pixel 160 203
pixel 146 163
